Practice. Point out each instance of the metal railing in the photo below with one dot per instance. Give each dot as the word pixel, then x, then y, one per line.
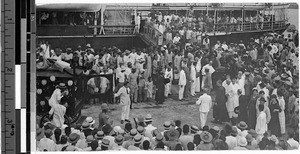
pixel 267 25
pixel 155 35
pixel 113 29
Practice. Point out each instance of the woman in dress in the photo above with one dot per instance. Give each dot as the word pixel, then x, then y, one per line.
pixel 274 125
pixel 252 109
pixel 160 88
pixel 221 99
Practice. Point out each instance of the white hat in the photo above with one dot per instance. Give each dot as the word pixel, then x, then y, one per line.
pixel 242 141
pixel 90 120
pixel 117 128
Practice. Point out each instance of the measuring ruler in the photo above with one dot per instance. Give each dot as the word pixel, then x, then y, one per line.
pixel 8 123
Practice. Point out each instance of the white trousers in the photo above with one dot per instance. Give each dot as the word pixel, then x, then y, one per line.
pixel 203 118
pixel 167 89
pixel 125 112
pixel 181 90
pixel 193 88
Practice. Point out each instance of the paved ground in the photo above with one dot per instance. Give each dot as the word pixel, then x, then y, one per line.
pixel 172 109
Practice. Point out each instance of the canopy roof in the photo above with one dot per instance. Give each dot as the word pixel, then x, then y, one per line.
pixel 70 7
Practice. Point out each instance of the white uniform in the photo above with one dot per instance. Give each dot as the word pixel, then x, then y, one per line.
pixel 181 83
pixel 124 94
pixel 205 103
pixel 211 71
pixel 282 114
pixel 229 103
pixel 168 74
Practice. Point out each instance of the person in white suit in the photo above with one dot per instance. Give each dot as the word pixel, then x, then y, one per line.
pixel 193 78
pixel 124 94
pixel 205 103
pixel 181 83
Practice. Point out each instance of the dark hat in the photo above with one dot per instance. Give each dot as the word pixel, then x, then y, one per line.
pixel 73 138
pixel 249 138
pixel 262 99
pixel 172 134
pixel 107 129
pixel 242 125
pixel 253 133
pixel 237 110
pixel 234 131
pixel 48 132
pixel 119 139
pixel 206 136
pixel 99 135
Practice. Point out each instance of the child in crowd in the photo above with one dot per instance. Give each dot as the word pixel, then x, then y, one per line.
pixel 149 88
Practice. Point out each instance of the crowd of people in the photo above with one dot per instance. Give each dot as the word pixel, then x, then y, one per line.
pixel 258 99
pixel 191 26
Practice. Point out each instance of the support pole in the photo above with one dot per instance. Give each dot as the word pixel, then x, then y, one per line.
pixel 95 24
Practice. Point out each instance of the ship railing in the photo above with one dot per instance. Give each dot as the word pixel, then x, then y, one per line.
pixel 113 29
pixel 154 34
pixel 247 26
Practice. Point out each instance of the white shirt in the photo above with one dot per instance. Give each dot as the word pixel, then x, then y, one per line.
pixel 205 102
pixel 193 73
pixel 58 112
pixel 46 143
pixel 231 141
pixel 124 94
pixel 121 76
pixel 182 78
pixel 293 143
pixel 207 66
pixel 148 130
pixel 261 123
pixel 176 39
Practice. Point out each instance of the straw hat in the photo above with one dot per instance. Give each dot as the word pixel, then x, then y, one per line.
pixel 141 130
pixel 90 120
pixel 104 106
pixel 206 136
pixel 167 125
pixel 85 125
pixel 73 138
pixel 242 125
pixel 119 139
pixel 148 118
pixel 138 139
pixel 89 138
pixel 105 143
pixel 172 134
pixel 99 135
pixel 242 141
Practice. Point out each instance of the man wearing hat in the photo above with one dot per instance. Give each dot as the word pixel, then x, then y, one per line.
pixel 172 136
pixel 206 137
pixel 242 143
pixel 99 136
pixel 124 94
pixel 105 145
pixel 47 143
pixel 167 126
pixel 137 141
pixel 207 72
pixel 149 127
pixel 119 141
pixel 103 116
pixel 205 103
pixel 91 122
pixel 73 139
pixel 132 134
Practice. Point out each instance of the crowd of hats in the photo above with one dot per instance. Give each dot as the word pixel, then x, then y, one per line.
pixel 86 137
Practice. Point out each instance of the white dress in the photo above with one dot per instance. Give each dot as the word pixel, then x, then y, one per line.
pixel 261 123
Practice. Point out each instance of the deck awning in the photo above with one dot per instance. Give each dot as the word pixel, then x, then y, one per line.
pixel 70 7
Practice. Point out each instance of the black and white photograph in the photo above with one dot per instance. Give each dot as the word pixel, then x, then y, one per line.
pixel 166 76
